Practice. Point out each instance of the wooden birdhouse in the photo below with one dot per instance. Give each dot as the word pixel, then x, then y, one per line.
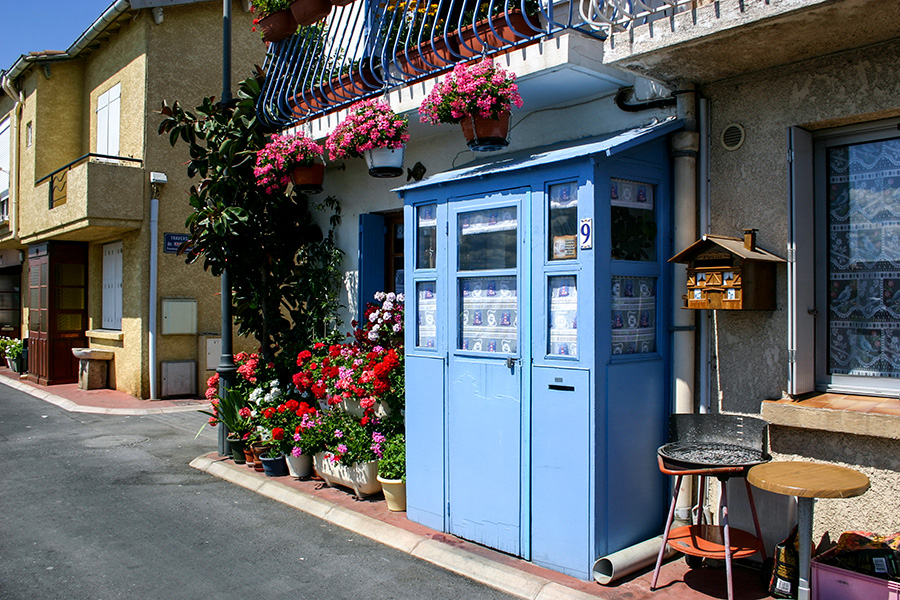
pixel 729 273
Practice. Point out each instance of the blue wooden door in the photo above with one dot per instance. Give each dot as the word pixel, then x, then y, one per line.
pixel 484 404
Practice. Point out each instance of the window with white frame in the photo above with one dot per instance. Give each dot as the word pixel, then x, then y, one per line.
pixel 4 169
pixel 108 109
pixel 853 233
pixel 112 286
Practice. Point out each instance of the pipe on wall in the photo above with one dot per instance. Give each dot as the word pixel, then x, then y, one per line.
pixel 611 567
pixel 14 131
pixel 151 325
pixel 704 217
pixel 685 145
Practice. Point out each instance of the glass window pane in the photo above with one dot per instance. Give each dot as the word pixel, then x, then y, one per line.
pixel 68 322
pixel 563 325
pixel 488 239
pixel 488 318
pixel 68 298
pixel 69 274
pixel 563 221
pixel 426 316
pixel 633 221
pixel 863 196
pixel 426 236
pixel 633 315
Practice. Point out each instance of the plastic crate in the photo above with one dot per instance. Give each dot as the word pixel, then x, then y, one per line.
pixel 833 583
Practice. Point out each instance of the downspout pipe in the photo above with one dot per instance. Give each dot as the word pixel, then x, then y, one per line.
pixel 684 149
pixel 154 273
pixel 704 218
pixel 15 127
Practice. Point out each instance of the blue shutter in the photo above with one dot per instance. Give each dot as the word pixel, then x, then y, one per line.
pixel 801 264
pixel 371 259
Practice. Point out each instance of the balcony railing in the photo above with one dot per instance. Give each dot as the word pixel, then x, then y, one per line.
pixel 59 181
pixel 367 47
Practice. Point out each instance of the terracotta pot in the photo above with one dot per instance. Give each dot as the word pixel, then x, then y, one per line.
pixel 431 54
pixel 490 34
pixel 258 451
pixel 307 12
pixel 486 135
pixel 248 456
pixel 278 26
pixel 342 2
pixel 309 179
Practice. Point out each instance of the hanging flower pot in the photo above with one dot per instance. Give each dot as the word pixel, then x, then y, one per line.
pixel 290 158
pixel 486 135
pixel 479 97
pixel 308 178
pixel 307 12
pixel 385 162
pixel 278 26
pixel 342 2
pixel 371 130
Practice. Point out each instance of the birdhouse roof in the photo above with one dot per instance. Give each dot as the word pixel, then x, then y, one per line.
pixel 730 244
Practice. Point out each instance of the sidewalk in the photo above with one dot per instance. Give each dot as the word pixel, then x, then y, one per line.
pixel 369 517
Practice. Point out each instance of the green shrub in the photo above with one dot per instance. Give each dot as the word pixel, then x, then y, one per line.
pixel 393 458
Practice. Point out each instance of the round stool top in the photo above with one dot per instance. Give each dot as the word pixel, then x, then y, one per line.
pixel 808 479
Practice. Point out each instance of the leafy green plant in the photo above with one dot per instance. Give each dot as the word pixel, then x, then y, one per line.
pixel 11 347
pixel 230 410
pixel 393 458
pixel 284 270
pixel 267 7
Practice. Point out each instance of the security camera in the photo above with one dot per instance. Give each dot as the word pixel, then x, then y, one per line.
pixel 157 177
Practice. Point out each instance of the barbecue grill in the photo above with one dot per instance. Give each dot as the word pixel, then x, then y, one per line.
pixel 721 446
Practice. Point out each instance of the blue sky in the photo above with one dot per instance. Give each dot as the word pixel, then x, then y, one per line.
pixel 34 25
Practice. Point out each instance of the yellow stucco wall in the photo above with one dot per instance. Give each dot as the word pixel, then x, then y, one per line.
pixel 177 59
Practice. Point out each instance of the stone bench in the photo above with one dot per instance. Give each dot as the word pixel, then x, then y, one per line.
pixel 93 367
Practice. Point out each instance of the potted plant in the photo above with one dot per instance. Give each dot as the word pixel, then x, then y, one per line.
pixel 307 12
pixel 275 19
pixel 299 458
pixel 412 32
pixel 492 26
pixel 231 411
pixel 13 349
pixel 372 131
pixel 392 472
pixel 273 460
pixel 479 98
pixel 290 158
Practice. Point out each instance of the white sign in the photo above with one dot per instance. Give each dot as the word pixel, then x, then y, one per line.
pixel 586 233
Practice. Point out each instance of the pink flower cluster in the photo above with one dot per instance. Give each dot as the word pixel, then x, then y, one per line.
pixel 275 161
pixel 481 90
pixel 370 124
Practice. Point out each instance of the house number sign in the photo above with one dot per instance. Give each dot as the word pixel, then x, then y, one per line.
pixel 586 233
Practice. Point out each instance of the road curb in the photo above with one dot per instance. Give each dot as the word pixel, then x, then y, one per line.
pixel 68 405
pixel 504 578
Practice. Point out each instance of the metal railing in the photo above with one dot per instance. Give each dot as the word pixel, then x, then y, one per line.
pixel 370 46
pixel 59 178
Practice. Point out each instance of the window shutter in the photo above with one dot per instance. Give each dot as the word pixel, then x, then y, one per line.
pixel 113 120
pixel 4 156
pixel 371 259
pixel 801 263
pixel 103 123
pixel 112 286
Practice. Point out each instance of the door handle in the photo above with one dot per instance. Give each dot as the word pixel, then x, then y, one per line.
pixel 510 362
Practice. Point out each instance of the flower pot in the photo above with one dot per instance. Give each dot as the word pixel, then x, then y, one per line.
pixel 495 32
pixel 395 493
pixel 362 477
pixel 352 406
pixel 274 467
pixel 258 450
pixel 385 162
pixel 431 54
pixel 307 12
pixel 486 135
pixel 342 2
pixel 278 26
pixel 300 466
pixel 236 445
pixel 309 179
pixel 248 456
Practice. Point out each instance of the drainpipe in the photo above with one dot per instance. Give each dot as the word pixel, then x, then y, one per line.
pixel 151 327
pixel 703 320
pixel 685 145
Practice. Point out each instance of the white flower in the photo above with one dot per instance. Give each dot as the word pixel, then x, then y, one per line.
pixel 388 305
pixel 373 335
pixel 376 327
pixel 387 317
pixel 397 327
pixel 391 296
pixel 379 296
pixel 373 317
pixel 400 298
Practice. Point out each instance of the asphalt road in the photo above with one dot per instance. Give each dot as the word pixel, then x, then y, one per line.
pixel 106 507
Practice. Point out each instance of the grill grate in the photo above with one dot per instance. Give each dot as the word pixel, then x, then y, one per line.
pixel 703 454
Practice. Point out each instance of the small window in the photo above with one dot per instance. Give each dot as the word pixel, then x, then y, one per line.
pixel 563 325
pixel 426 236
pixel 563 221
pixel 426 314
pixel 633 315
pixel 633 220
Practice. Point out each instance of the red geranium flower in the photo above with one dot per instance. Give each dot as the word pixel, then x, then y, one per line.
pixel 278 434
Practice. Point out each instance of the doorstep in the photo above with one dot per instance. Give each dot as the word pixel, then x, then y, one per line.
pixel 370 518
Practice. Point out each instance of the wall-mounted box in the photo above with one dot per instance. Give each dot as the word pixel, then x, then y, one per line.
pixel 179 378
pixel 729 273
pixel 179 316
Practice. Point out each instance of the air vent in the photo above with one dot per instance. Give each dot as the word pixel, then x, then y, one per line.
pixel 733 137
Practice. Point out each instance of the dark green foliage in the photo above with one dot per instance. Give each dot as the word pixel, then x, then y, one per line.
pixel 284 270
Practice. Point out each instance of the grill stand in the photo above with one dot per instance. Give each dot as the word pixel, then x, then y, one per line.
pixel 702 540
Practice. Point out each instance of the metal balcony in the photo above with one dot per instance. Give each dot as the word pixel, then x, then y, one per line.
pixel 368 47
